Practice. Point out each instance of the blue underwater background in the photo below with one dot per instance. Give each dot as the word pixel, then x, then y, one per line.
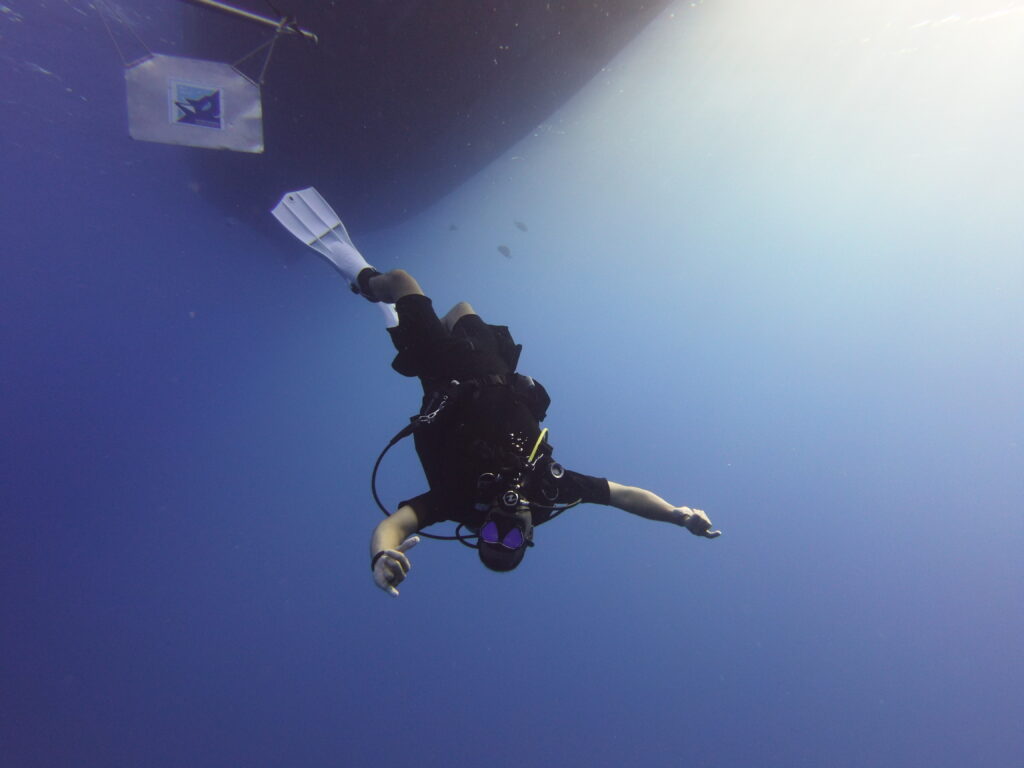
pixel 773 267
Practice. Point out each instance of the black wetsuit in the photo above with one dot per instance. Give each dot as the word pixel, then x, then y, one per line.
pixel 486 425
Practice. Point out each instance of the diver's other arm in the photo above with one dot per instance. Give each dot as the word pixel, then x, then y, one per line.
pixel 643 503
pixel 392 538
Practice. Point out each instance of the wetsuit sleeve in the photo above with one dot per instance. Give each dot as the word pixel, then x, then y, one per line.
pixel 425 509
pixel 590 490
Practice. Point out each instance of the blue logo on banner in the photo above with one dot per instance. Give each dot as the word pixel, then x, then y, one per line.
pixel 197 105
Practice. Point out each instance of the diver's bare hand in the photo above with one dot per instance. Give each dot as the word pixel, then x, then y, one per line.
pixel 391 567
pixel 697 522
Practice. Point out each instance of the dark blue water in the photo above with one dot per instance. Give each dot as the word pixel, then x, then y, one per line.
pixel 773 269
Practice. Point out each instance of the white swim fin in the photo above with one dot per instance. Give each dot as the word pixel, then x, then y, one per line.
pixel 307 215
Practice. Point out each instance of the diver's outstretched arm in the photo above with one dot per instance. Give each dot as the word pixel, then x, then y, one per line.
pixel 643 503
pixel 392 538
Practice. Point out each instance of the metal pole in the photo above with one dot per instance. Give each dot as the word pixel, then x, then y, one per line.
pixel 278 24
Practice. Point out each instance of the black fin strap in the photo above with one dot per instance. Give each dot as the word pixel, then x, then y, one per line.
pixel 362 283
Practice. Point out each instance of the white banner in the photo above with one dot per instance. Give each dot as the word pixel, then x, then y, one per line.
pixel 174 100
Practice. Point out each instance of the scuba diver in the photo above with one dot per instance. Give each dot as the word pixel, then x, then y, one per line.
pixel 488 464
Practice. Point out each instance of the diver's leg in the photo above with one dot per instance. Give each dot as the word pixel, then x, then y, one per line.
pixel 388 287
pixel 456 313
pixel 419 334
